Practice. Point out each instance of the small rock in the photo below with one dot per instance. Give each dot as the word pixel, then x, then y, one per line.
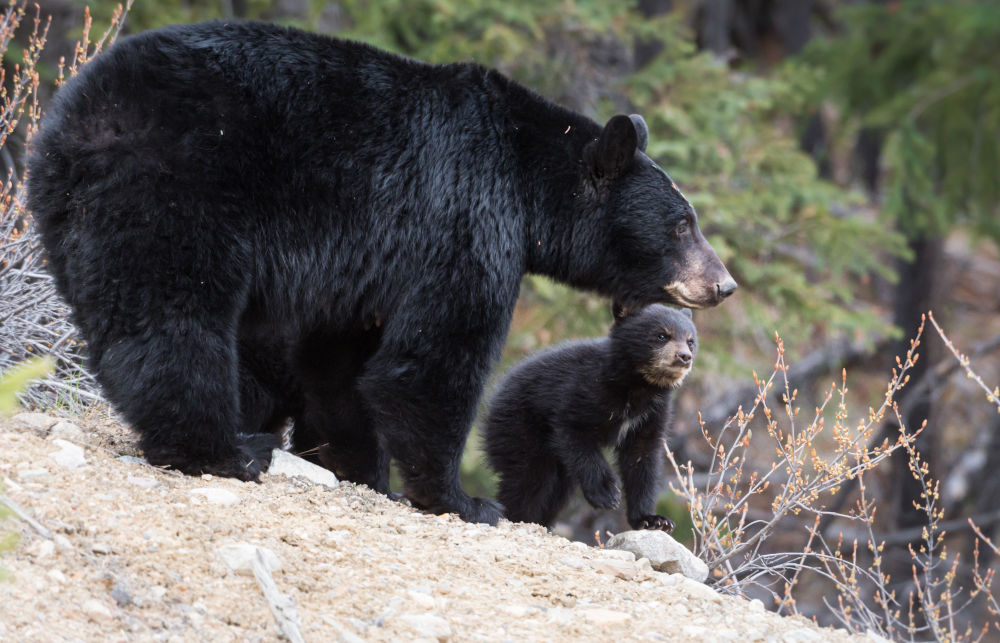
pixel 802 635
pixel 68 430
pixel 40 549
pixel 62 542
pixel 101 548
pixel 56 576
pixel 120 592
pixel 96 610
pixel 217 496
pixel 757 605
pixel 142 482
pixel 69 455
pixel 616 553
pixel 285 464
pixel 623 569
pixel 420 599
pixel 33 473
pixel 428 625
pixel 601 616
pixel 132 459
pixel 664 553
pixel 36 421
pixel 239 557
pixel 575 563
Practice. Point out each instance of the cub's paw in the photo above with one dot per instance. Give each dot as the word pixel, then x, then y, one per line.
pixel 654 522
pixel 602 492
pixel 482 510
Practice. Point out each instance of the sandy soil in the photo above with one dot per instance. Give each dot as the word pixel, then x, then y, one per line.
pixel 134 555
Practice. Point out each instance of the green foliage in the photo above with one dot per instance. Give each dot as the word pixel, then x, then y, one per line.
pixel 926 74
pixel 15 380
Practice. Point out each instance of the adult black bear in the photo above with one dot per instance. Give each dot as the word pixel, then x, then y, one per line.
pixel 200 187
pixel 554 412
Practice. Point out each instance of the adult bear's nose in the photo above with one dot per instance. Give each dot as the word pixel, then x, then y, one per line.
pixel 726 288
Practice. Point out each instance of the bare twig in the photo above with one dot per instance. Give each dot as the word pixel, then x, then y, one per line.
pixel 282 606
pixel 42 530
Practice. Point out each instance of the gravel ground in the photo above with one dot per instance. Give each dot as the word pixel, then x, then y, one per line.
pixel 135 554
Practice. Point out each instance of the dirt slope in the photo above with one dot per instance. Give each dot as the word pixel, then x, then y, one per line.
pixel 134 555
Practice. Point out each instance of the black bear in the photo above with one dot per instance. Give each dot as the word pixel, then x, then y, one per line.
pixel 212 192
pixel 555 411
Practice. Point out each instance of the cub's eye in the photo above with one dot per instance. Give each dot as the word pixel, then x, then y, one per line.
pixel 663 337
pixel 691 344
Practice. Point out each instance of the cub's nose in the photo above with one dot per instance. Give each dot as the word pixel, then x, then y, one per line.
pixel 726 288
pixel 684 357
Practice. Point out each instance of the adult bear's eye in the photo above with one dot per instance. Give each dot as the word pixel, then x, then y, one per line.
pixel 681 229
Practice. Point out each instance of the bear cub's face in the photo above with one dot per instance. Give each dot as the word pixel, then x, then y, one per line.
pixel 659 342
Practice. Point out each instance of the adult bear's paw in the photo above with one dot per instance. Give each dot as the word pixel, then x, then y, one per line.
pixel 253 457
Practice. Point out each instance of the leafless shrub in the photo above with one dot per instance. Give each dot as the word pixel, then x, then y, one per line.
pixel 739 509
pixel 33 319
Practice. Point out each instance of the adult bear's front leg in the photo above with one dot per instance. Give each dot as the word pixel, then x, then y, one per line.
pixel 423 399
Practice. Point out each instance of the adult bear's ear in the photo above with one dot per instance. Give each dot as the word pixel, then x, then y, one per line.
pixel 686 312
pixel 614 151
pixel 641 130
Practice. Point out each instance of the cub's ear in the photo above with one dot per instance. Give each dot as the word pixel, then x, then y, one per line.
pixel 641 131
pixel 686 312
pixel 619 311
pixel 614 151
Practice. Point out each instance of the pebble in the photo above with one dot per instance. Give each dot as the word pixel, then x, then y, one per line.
pixel 602 616
pixel 428 625
pixel 33 473
pixel 132 459
pixel 96 610
pixel 69 455
pixel 142 482
pixel 217 496
pixel 623 569
pixel 120 592
pixel 40 549
pixel 575 563
pixel 239 557
pixel 101 548
pixel 68 430
pixel 37 421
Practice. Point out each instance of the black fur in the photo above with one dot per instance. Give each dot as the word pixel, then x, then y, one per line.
pixel 555 411
pixel 252 222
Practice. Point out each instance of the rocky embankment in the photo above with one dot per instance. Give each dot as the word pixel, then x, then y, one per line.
pixel 112 549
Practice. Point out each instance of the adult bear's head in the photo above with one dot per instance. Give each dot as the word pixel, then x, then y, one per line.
pixel 653 248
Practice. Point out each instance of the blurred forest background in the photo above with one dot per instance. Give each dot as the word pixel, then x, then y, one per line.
pixel 844 159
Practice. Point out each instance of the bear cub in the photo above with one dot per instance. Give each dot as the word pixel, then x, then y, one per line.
pixel 555 411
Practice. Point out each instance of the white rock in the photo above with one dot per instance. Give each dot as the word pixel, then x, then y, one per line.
pixel 623 569
pixel 96 610
pixel 239 557
pixel 420 599
pixel 56 576
pixel 142 482
pixel 101 548
pixel 217 496
pixel 664 553
pixel 601 616
pixel 68 430
pixel 41 549
pixel 285 464
pixel 69 455
pixel 428 625
pixel 33 473
pixel 37 421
